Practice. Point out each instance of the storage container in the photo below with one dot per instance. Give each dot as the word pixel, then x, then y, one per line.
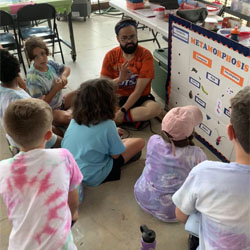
pixel 161 72
pixel 135 5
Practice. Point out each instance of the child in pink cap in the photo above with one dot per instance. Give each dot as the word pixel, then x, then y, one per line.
pixel 170 158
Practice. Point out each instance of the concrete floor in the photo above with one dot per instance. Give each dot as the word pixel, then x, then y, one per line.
pixel 109 217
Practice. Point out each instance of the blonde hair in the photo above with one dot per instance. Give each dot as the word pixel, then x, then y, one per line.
pixel 27 121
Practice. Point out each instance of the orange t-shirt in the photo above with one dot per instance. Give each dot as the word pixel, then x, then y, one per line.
pixel 141 66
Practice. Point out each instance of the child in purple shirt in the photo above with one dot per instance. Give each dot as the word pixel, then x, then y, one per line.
pixel 170 157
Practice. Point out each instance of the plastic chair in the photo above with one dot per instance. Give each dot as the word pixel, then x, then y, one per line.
pixel 9 40
pixel 35 14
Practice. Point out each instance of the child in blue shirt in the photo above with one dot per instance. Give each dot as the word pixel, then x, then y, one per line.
pixel 92 136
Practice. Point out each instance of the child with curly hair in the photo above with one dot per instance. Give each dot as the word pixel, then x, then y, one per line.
pixel 92 136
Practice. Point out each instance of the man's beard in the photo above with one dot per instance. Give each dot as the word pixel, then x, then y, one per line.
pixel 129 49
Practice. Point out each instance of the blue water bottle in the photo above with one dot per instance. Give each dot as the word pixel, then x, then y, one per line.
pixel 148 238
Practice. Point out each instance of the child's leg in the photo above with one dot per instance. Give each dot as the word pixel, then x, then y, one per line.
pixel 133 146
pixel 61 117
pixel 68 99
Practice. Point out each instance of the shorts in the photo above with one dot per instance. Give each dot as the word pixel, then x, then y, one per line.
pixel 139 102
pixel 193 224
pixel 69 244
pixel 62 106
pixel 51 142
pixel 115 172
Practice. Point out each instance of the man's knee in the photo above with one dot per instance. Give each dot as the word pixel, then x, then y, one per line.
pixel 153 108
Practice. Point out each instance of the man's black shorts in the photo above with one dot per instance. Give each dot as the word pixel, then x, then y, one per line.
pixel 139 102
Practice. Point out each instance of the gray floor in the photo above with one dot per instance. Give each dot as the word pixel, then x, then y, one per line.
pixel 109 216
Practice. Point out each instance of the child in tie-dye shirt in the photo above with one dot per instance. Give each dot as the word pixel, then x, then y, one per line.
pixel 38 185
pixel 46 79
pixel 170 157
pixel 220 191
pixel 12 88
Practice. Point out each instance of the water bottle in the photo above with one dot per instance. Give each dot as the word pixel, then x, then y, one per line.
pixel 148 238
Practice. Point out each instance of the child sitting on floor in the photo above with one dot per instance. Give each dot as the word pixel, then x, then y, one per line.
pixel 20 81
pixel 92 136
pixel 11 91
pixel 38 186
pixel 46 79
pixel 170 157
pixel 220 191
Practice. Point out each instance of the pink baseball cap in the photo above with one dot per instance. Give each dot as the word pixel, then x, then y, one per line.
pixel 180 122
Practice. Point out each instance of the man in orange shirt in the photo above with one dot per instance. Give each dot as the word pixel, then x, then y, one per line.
pixel 131 67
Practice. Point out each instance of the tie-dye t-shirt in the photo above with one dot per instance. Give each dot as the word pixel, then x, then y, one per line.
pixel 34 187
pixel 40 83
pixel 8 96
pixel 163 175
pixel 221 193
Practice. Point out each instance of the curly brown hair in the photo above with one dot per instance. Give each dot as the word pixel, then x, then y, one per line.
pixel 32 43
pixel 95 102
pixel 9 66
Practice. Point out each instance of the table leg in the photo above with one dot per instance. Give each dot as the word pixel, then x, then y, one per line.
pixel 155 38
pixel 72 40
pixel 71 45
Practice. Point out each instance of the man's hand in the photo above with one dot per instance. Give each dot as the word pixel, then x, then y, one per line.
pixel 119 115
pixel 124 72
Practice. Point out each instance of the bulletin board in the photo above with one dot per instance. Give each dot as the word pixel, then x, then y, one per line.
pixel 206 70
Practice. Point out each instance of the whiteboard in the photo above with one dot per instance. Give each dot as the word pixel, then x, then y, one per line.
pixel 206 70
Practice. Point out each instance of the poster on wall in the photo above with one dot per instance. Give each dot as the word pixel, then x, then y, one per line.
pixel 206 70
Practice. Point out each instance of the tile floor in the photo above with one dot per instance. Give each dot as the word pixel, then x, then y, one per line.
pixel 109 216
